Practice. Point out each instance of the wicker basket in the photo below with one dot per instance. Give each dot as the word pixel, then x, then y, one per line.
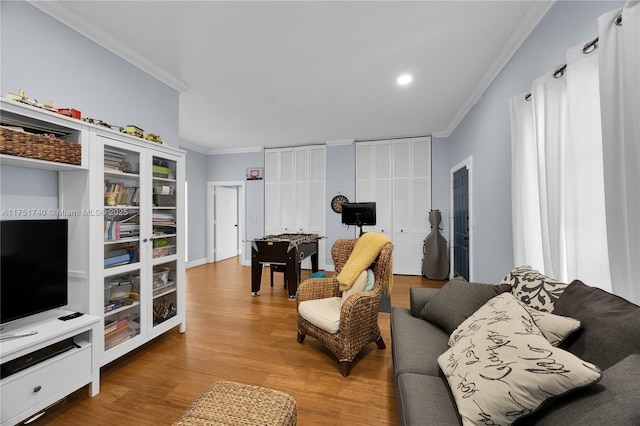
pixel 40 147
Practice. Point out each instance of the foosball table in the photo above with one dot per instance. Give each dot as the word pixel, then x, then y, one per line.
pixel 283 249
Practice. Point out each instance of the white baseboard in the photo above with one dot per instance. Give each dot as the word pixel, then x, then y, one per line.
pixel 194 263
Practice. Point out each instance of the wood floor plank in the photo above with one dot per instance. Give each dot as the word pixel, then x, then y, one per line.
pixel 233 336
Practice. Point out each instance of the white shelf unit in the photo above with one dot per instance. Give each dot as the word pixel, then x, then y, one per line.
pixel 149 205
pixel 81 200
pixel 31 390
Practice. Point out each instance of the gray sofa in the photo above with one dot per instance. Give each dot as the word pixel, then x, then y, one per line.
pixel 609 337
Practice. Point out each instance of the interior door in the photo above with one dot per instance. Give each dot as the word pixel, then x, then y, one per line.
pixel 461 223
pixel 226 222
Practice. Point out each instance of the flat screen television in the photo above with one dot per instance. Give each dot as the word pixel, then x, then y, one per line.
pixel 359 214
pixel 33 267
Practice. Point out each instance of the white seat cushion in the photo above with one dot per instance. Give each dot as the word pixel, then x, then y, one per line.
pixel 323 313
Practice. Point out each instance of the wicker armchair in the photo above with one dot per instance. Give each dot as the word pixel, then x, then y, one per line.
pixel 359 313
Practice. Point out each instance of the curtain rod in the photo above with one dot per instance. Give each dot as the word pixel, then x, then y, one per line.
pixel 586 49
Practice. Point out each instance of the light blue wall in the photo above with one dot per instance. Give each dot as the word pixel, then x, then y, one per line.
pixel 51 62
pixel 340 179
pixel 440 183
pixel 233 167
pixel 197 169
pixel 484 134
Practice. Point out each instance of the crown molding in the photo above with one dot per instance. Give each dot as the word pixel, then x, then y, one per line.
pixel 59 12
pixel 528 23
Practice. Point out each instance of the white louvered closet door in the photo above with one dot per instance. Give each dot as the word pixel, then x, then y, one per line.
pixel 302 202
pixel 295 193
pixel 272 191
pixel 382 174
pixel 402 203
pixel 396 174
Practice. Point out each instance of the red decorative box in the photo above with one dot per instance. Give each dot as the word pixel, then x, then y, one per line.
pixel 70 112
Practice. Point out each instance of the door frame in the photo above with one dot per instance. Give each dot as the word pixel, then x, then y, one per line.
pixel 468 164
pixel 211 199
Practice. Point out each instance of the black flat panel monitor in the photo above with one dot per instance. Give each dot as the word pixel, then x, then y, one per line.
pixel 33 267
pixel 359 214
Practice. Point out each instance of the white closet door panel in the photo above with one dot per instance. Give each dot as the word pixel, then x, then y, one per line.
pixel 302 164
pixel 287 207
pixel 302 207
pixel 364 161
pixel 271 166
pixel 364 190
pixel 421 203
pixel 286 166
pixel 421 156
pixel 382 160
pixel 401 158
pixel 317 160
pixel 402 213
pixel 317 207
pixel 384 205
pixel 402 253
pixel 272 206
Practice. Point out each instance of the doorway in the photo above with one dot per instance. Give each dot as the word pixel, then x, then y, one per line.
pixel 225 219
pixel 462 220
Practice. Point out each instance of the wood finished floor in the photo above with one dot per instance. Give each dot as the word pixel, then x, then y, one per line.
pixel 233 336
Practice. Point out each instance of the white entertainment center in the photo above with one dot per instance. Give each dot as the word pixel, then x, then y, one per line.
pixel 142 198
pixel 42 379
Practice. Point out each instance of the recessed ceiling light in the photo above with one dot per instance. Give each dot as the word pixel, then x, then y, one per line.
pixel 404 79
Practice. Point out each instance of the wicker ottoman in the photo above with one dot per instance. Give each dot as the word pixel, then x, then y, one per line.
pixel 235 404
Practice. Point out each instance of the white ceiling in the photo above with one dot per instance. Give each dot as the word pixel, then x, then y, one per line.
pixel 267 74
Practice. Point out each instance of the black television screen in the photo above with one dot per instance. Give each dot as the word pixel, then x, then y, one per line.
pixel 33 267
pixel 360 214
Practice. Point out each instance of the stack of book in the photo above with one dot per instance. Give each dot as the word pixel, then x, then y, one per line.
pixel 116 332
pixel 116 258
pixel 126 228
pixel 113 159
pixel 164 223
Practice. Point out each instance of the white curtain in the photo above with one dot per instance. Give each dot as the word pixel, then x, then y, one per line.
pixel 619 33
pixel 569 144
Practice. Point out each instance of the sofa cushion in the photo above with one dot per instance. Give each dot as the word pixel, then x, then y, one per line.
pixel 615 400
pixel 456 301
pixel 419 296
pixel 554 328
pixel 423 399
pixel 416 343
pixel 610 324
pixel 534 288
pixel 505 369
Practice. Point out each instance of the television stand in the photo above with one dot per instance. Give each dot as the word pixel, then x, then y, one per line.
pixel 41 368
pixel 16 335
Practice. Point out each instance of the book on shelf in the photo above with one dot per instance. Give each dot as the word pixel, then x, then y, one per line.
pixel 113 159
pixel 111 230
pixel 163 171
pixel 126 228
pixel 116 338
pixel 117 257
pixel 116 325
pixel 114 304
pixel 125 195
